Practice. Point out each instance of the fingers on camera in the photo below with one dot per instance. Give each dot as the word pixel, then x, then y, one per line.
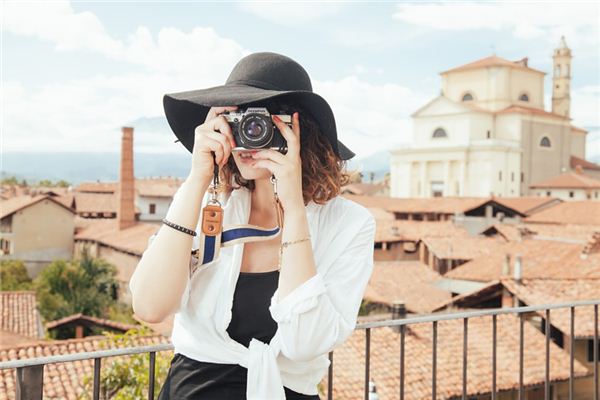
pixel 223 144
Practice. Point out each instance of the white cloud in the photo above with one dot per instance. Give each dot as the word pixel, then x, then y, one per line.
pixel 585 106
pixel 198 53
pixel 290 13
pixel 86 114
pixel 370 117
pixel 578 21
pixel 55 21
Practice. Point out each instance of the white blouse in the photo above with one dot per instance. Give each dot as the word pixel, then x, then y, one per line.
pixel 312 319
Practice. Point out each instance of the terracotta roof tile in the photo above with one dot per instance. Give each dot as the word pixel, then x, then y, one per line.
pixel 408 281
pixel 527 205
pixel 363 188
pixel 87 318
pixel 349 360
pixel 95 202
pixel 16 203
pixel 568 180
pixel 441 205
pixel 548 291
pixel 583 212
pixel 410 230
pixel 63 380
pixel 465 248
pixel 585 164
pixel 157 187
pixel 149 187
pixel 19 313
pixel 531 110
pixel 106 231
pixel 492 61
pixel 541 259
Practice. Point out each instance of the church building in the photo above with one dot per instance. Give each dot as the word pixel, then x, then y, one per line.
pixel 487 133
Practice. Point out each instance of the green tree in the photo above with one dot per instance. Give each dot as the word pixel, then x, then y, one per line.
pixel 44 182
pixel 127 377
pixel 85 285
pixel 14 276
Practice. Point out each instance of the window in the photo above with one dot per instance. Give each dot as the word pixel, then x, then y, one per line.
pixel 499 175
pixel 152 208
pixel 548 193
pixel 522 177
pixel 571 194
pixel 557 71
pixel 545 142
pixel 512 176
pixel 437 188
pixel 439 132
pixel 489 134
pixel 590 351
pixel 467 97
pixel 524 97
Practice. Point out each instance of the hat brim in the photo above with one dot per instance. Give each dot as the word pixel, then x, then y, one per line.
pixel 186 110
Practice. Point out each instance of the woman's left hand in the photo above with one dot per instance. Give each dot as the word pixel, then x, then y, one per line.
pixel 287 168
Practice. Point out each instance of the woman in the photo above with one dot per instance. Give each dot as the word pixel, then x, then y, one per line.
pixel 258 321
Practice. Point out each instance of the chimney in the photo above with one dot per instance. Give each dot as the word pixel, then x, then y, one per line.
pixel 125 192
pixel 398 312
pixel 518 269
pixel 506 265
pixel 489 212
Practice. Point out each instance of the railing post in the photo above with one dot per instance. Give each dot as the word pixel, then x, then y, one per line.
pixel 547 370
pixel 330 377
pixel 97 365
pixel 367 362
pixel 30 382
pixel 152 360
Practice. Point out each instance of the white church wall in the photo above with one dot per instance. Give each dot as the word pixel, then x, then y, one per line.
pixel 456 128
pixel 526 82
pixel 568 194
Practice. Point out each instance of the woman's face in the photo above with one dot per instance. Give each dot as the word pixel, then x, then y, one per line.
pixel 243 160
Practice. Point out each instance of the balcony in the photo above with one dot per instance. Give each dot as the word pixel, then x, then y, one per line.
pixel 29 374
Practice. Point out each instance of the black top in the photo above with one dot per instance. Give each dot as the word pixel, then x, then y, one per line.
pixel 250 318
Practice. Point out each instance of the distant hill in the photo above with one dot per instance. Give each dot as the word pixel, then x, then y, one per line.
pixel 77 167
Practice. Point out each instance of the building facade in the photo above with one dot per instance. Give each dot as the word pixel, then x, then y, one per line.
pixel 487 133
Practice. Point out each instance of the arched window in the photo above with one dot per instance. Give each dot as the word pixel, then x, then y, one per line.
pixel 557 71
pixel 439 132
pixel 545 142
pixel 467 97
pixel 524 97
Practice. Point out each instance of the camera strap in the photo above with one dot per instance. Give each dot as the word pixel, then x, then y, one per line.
pixel 213 235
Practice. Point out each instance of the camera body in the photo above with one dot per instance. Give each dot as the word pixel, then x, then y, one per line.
pixel 253 128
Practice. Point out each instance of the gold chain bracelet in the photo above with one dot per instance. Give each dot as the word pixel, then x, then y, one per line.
pixel 288 243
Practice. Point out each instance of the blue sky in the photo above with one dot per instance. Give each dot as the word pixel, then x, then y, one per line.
pixel 74 72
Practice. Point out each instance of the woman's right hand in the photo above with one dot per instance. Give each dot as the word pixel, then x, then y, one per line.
pixel 214 135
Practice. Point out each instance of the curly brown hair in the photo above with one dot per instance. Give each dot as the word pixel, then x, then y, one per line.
pixel 323 172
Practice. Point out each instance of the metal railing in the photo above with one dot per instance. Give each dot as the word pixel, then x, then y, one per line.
pixel 29 372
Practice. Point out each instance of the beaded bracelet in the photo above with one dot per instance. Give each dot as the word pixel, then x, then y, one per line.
pixel 179 227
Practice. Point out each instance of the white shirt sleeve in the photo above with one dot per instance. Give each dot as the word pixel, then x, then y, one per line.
pixel 321 313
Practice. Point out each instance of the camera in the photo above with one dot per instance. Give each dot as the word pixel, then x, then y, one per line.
pixel 253 128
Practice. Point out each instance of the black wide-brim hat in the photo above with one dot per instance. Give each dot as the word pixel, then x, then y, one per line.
pixel 258 76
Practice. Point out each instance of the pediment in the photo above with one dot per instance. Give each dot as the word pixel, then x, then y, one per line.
pixel 441 105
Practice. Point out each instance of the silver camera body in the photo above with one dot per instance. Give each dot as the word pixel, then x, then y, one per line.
pixel 253 128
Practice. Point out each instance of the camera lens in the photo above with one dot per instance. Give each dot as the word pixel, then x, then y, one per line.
pixel 256 131
pixel 253 129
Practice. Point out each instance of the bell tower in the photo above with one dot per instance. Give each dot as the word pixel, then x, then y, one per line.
pixel 561 79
